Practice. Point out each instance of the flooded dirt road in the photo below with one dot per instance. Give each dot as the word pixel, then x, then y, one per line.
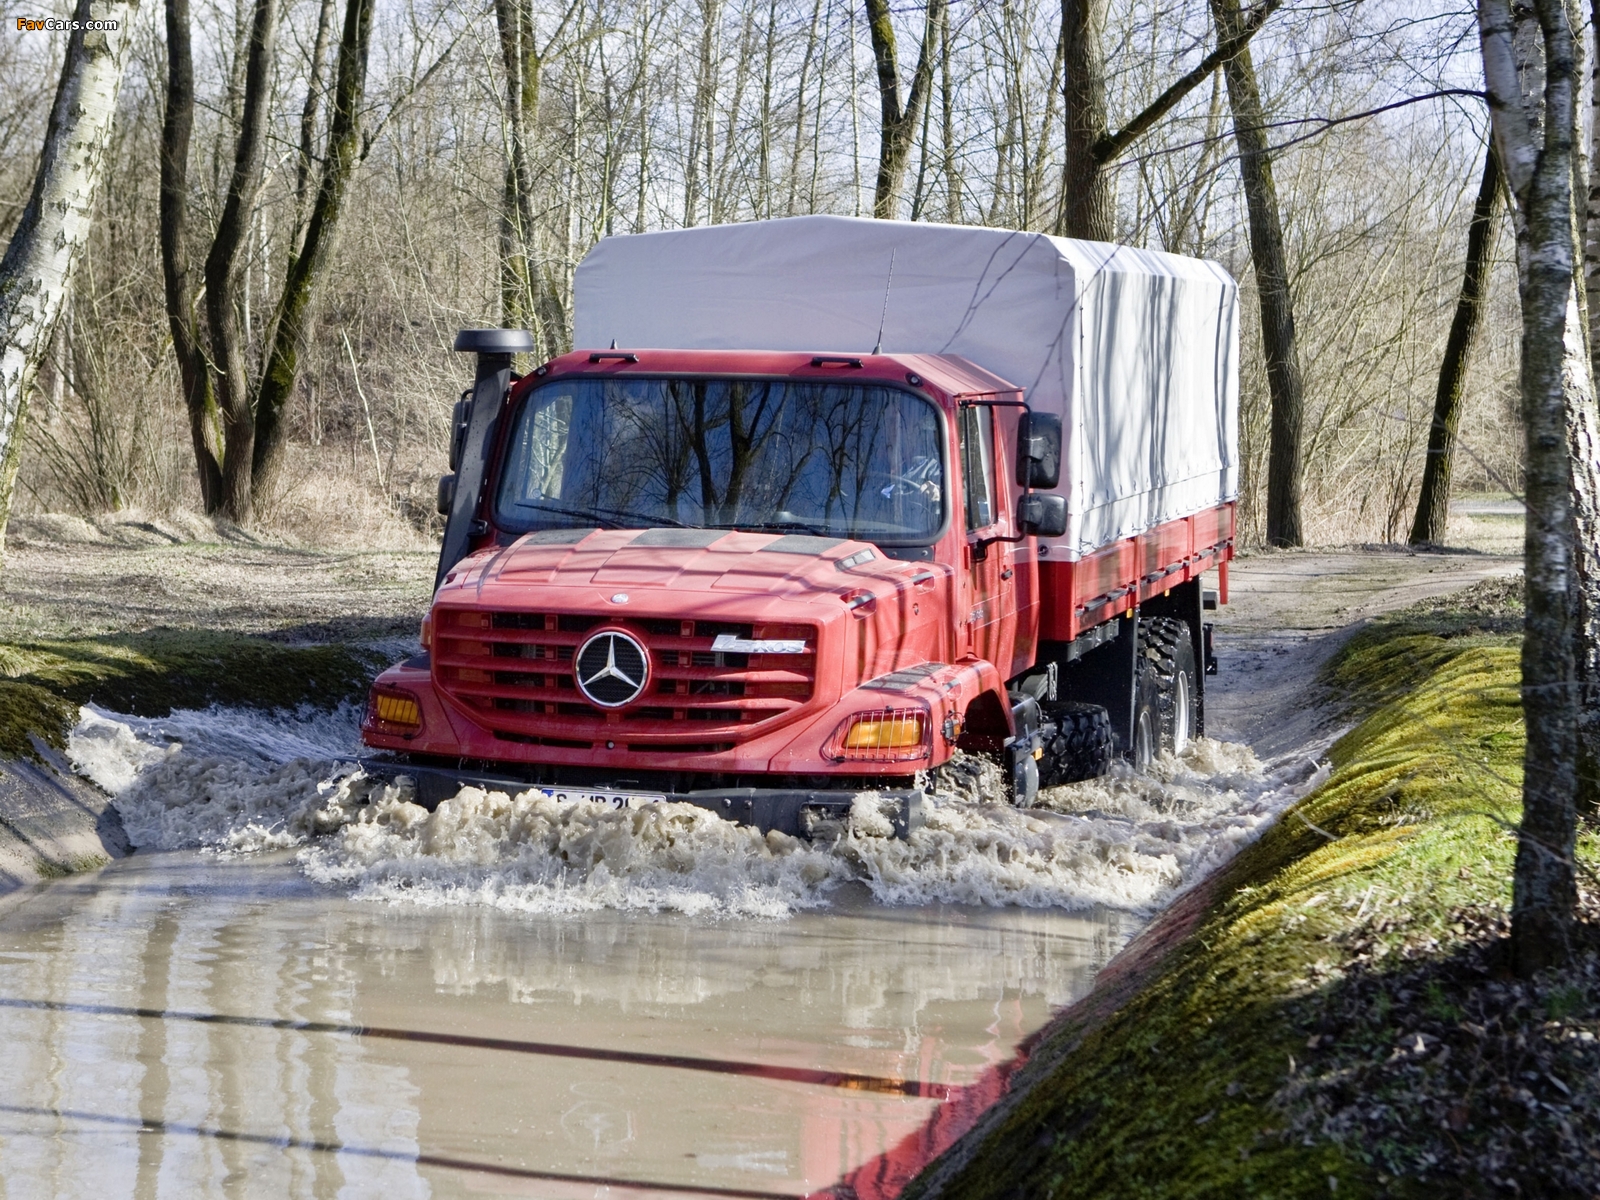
pixel 298 988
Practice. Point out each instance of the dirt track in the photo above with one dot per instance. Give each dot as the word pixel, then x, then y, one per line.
pixel 65 577
pixel 1289 610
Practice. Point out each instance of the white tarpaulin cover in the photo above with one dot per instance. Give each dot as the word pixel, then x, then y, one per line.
pixel 1138 351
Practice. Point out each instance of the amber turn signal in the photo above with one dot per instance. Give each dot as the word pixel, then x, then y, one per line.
pixel 882 735
pixel 394 712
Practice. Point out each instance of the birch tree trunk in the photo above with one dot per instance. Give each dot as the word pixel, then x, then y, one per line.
pixel 1433 499
pixel 1583 443
pixel 36 272
pixel 1529 71
pixel 1583 434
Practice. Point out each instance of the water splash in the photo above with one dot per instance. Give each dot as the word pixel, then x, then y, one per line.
pixel 237 781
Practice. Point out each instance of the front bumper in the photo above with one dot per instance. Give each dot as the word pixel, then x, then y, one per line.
pixel 796 812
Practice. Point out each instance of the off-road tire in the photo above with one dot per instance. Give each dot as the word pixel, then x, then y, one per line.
pixel 1166 655
pixel 1146 741
pixel 1083 746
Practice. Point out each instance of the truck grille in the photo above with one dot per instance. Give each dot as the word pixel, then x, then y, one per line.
pixel 515 672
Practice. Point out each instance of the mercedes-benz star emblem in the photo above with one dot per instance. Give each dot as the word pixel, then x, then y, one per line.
pixel 611 668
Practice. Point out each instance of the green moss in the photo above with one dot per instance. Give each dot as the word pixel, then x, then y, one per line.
pixel 51 869
pixel 151 673
pixel 1173 1095
pixel 25 709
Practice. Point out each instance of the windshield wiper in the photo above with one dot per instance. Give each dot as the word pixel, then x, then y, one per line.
pixel 782 527
pixel 603 514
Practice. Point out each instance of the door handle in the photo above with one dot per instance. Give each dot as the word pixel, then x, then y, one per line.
pixel 1007 573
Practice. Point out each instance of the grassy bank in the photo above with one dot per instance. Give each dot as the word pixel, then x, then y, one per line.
pixel 1340 1021
pixel 42 682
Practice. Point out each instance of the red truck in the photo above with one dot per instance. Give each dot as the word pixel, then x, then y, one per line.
pixel 715 558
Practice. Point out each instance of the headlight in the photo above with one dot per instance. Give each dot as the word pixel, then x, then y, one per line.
pixel 881 735
pixel 394 712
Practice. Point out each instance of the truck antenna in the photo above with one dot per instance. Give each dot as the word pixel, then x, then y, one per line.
pixel 884 315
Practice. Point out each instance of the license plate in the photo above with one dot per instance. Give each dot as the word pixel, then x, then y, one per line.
pixel 604 796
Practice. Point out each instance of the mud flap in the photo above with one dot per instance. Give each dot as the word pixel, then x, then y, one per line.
pixel 1022 751
pixel 1024 774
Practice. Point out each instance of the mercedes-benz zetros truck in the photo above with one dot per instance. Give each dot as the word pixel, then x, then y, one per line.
pixel 816 504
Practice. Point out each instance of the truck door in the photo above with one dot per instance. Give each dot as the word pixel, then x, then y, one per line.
pixel 989 615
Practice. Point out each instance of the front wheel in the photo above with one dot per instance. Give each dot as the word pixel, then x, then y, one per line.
pixel 1082 746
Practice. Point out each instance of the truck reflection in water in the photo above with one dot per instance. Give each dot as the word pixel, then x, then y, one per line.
pixel 177 1026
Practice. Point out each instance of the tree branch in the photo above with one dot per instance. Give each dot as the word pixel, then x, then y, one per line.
pixel 1109 147
pixel 1323 124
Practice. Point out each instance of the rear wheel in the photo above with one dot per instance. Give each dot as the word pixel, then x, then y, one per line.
pixel 1146 716
pixel 1166 657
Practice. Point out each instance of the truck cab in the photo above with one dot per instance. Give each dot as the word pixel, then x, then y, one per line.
pixel 760 582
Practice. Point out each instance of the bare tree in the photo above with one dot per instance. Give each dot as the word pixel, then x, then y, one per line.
pixel 308 263
pixel 898 130
pixel 1529 66
pixel 1088 206
pixel 1284 380
pixel 194 371
pixel 1433 499
pixel 36 273
pixel 528 297
pixel 227 348
pixel 220 388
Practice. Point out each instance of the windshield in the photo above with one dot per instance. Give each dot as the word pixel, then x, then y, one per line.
pixel 842 459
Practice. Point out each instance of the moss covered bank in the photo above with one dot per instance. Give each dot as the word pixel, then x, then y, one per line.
pixel 53 823
pixel 43 682
pixel 1337 1019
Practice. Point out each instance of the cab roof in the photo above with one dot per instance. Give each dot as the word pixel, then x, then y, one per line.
pixel 946 375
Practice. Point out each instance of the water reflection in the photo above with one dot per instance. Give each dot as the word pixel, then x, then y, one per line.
pixel 638 1053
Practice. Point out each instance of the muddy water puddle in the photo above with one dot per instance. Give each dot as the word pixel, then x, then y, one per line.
pixel 180 1025
pixel 303 984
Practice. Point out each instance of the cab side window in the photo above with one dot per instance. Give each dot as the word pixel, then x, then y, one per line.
pixel 977 464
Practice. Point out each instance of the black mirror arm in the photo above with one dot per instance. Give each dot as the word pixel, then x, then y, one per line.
pixel 981 544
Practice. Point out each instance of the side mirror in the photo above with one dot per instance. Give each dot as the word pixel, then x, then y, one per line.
pixel 1038 450
pixel 1043 515
pixel 447 493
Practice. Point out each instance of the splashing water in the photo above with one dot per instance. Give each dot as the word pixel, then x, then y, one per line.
pixel 236 781
pixel 227 779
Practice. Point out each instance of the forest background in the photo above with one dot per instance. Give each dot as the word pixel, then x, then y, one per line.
pixel 648 114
